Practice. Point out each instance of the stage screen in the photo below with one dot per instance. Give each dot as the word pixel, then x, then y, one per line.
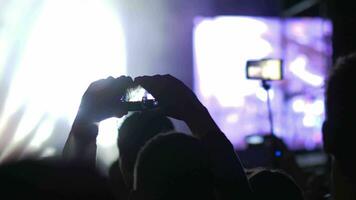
pixel 223 44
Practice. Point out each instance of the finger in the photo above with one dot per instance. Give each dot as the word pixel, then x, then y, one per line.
pixel 146 82
pixel 153 84
pixel 120 85
pixel 98 85
pixel 146 79
pixel 97 82
pixel 124 81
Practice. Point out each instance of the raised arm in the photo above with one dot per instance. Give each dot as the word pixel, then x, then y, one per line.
pixel 100 101
pixel 178 101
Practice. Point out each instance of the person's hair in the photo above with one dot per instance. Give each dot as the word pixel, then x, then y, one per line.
pixel 274 184
pixel 134 132
pixel 339 131
pixel 173 166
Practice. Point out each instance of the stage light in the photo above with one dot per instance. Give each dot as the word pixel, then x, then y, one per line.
pixel 298 105
pixel 317 108
pixel 261 94
pixel 309 120
pixel 298 68
pixel 70 44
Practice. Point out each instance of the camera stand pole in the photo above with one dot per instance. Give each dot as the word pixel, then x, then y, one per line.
pixel 267 86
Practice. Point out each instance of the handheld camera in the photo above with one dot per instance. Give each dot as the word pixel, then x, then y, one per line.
pixel 265 69
pixel 138 99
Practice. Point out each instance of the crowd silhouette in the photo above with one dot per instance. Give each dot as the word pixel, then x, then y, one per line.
pixel 157 162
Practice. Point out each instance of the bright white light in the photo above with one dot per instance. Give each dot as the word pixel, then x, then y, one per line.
pixel 48 152
pixel 317 108
pixel 298 105
pixel 108 132
pixel 298 68
pixel 43 133
pixel 222 47
pixel 309 121
pixel 261 94
pixel 28 122
pixel 255 139
pixel 71 44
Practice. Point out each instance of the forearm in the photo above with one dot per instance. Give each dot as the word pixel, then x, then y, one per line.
pixel 230 179
pixel 81 143
pixel 99 102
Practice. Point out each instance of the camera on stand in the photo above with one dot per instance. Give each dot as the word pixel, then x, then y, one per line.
pixel 263 148
pixel 266 70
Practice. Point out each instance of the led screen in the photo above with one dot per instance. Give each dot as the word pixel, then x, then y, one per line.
pixel 223 45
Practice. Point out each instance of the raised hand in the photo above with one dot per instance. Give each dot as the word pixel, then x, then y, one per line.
pixel 102 99
pixel 175 98
pixel 178 101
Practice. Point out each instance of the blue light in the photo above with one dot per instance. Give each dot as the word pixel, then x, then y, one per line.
pixel 278 153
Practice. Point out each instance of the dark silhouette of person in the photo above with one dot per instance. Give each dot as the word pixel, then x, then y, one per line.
pixel 274 184
pixel 101 101
pixel 179 102
pixel 134 132
pixel 43 179
pixel 339 128
pixel 117 183
pixel 176 100
pixel 173 166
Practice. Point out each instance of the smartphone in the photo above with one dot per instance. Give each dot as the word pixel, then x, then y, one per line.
pixel 138 99
pixel 265 69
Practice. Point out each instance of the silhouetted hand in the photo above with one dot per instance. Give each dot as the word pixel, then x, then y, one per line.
pixel 174 97
pixel 102 99
pixel 178 101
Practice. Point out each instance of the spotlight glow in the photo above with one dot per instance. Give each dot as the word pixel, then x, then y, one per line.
pixel 298 67
pixel 71 44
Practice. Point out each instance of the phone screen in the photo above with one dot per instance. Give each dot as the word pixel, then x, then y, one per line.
pixel 138 99
pixel 136 94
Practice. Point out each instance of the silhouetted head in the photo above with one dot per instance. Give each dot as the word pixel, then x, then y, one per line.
pixel 339 129
pixel 135 131
pixel 276 185
pixel 32 179
pixel 173 166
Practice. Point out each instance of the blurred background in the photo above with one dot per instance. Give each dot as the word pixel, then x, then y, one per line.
pixel 51 50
